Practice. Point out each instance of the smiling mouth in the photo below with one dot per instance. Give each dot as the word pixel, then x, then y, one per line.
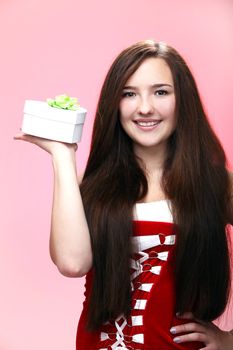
pixel 147 123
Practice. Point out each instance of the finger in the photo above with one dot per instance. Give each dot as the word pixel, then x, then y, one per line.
pixel 188 327
pixel 25 137
pixel 191 337
pixel 18 135
pixel 32 139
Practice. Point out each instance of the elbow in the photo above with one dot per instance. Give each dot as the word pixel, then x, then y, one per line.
pixel 71 272
pixel 74 270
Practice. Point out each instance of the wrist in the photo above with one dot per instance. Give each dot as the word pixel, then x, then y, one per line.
pixel 63 155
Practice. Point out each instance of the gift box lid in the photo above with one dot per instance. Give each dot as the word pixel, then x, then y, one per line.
pixel 41 109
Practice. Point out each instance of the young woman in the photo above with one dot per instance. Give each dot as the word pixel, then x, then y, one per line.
pixel 149 225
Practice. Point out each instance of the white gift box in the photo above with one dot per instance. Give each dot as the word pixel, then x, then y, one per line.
pixel 52 123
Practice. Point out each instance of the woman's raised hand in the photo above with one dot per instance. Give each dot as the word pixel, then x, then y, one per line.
pixel 49 146
pixel 70 245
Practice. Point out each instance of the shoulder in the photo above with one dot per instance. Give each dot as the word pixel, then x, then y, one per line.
pixel 80 178
pixel 230 173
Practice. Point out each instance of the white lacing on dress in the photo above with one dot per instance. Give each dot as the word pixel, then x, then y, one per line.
pixel 140 263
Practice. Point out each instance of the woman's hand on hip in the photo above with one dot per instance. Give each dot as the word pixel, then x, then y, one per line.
pixel 205 332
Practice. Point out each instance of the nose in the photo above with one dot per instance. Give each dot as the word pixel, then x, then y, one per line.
pixel 145 106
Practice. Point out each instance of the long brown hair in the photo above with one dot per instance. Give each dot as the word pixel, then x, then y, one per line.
pixel 195 179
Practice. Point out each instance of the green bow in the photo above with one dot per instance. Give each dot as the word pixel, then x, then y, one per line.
pixel 64 102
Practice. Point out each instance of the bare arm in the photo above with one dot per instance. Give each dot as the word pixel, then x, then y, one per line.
pixel 70 246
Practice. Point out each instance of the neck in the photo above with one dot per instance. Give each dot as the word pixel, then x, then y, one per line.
pixel 151 159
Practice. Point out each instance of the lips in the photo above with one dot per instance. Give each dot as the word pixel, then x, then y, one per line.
pixel 147 123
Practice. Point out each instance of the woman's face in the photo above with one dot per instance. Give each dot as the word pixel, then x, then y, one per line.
pixel 147 106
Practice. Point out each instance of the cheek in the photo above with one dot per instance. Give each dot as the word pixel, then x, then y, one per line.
pixel 168 108
pixel 126 108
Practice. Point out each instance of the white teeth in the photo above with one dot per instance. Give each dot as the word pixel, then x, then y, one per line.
pixel 148 123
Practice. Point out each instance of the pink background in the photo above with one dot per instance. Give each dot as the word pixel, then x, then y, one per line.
pixel 51 47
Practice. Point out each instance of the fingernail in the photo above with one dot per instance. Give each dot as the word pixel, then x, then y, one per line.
pixel 173 330
pixel 176 340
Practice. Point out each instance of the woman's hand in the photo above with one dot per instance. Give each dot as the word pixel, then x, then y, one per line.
pixel 49 146
pixel 205 332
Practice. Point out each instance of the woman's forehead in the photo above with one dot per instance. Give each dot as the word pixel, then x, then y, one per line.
pixel 151 71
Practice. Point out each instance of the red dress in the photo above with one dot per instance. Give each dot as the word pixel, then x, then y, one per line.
pixel 153 295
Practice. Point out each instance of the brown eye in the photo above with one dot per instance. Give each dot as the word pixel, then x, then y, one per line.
pixel 161 92
pixel 128 94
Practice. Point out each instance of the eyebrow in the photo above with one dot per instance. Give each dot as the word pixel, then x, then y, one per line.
pixel 152 86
